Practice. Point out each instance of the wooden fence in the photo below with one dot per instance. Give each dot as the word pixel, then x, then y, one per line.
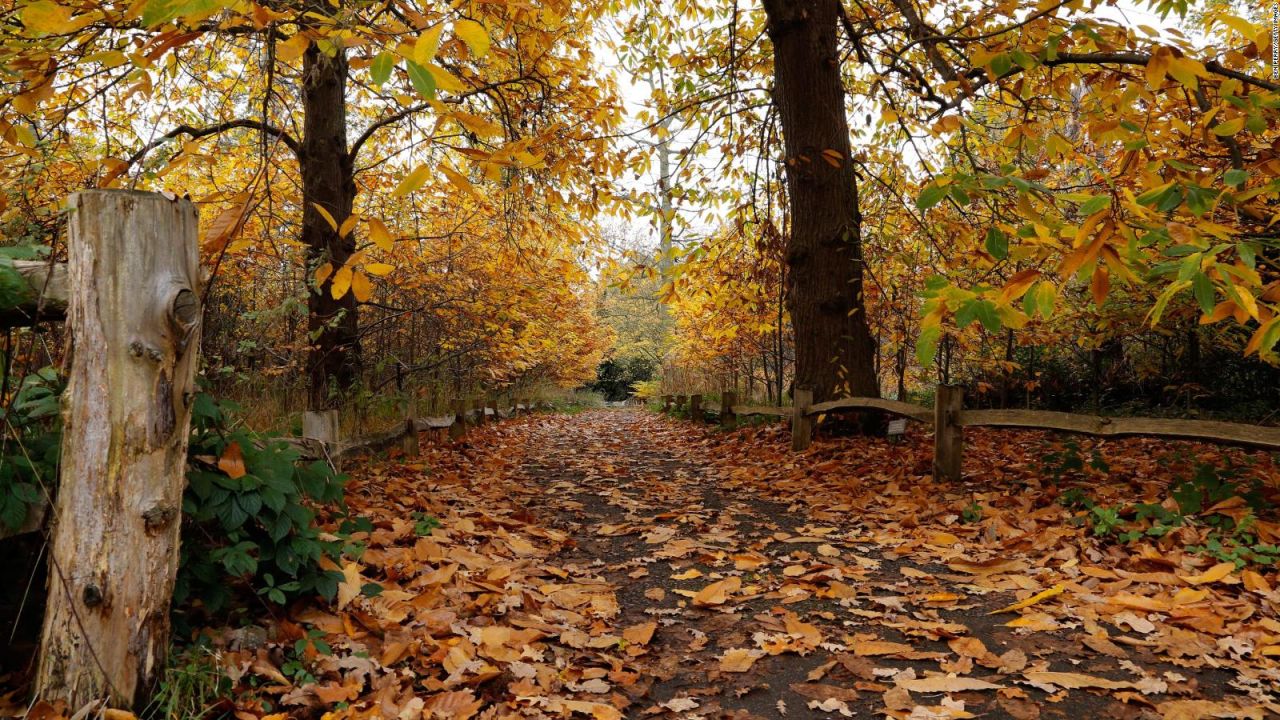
pixel 948 418
pixel 130 294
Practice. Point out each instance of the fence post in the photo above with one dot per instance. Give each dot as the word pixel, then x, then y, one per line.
pixel 727 400
pixel 695 407
pixel 667 401
pixel 134 327
pixel 321 425
pixel 801 423
pixel 459 427
pixel 680 401
pixel 948 434
pixel 411 445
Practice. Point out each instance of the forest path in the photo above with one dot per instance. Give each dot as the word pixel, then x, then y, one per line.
pixel 618 563
pixel 831 613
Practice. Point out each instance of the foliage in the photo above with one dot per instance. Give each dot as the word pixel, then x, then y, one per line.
pixel 29 444
pixel 1213 498
pixel 248 523
pixel 618 379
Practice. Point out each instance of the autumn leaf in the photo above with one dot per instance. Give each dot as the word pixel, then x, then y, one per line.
pixel 232 461
pixel 1038 597
pixel 717 593
pixel 1212 575
pixel 474 35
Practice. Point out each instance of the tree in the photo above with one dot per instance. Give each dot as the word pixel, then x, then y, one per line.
pixel 835 353
pixel 283 71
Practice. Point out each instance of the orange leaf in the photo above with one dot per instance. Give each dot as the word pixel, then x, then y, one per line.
pixel 232 461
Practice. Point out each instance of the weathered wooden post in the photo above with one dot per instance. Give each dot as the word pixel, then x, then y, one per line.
pixel 410 444
pixel 134 323
pixel 695 407
pixel 459 427
pixel 321 426
pixel 948 434
pixel 801 423
pixel 667 402
pixel 680 401
pixel 728 399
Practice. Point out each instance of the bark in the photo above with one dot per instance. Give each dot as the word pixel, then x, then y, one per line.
pixel 133 318
pixel 835 352
pixel 328 180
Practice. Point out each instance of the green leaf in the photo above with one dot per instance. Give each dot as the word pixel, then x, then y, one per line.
pixel 927 346
pixel 1094 204
pixel 1202 288
pixel 1236 177
pixel 423 81
pixel 1001 64
pixel 997 243
pixel 931 195
pixel 381 68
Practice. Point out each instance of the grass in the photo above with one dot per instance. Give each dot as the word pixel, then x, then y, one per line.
pixel 192 688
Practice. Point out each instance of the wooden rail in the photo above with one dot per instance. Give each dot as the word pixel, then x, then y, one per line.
pixel 41 278
pixel 948 418
pixel 322 440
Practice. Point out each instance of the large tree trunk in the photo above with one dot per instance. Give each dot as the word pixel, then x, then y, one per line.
pixel 834 348
pixel 328 181
pixel 134 323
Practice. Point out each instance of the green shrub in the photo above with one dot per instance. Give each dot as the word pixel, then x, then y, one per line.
pixel 255 529
pixel 29 445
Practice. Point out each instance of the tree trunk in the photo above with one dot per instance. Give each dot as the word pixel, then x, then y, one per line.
pixel 834 348
pixel 328 181
pixel 134 323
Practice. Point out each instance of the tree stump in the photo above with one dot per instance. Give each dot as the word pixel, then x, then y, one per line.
pixel 134 322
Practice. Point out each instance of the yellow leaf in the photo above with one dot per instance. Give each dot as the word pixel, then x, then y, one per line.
pixel 348 225
pixel 47 17
pixel 459 181
pixel 361 287
pixel 717 593
pixel 428 42
pixel 292 49
pixel 477 124
pixel 1043 595
pixel 379 269
pixel 25 135
pixel 224 228
pixel 739 660
pixel 379 234
pixel 444 79
pixel 323 272
pixel 325 214
pixel 1229 128
pixel 412 181
pixel 352 583
pixel 947 683
pixel 474 35
pixel 1213 574
pixel 341 283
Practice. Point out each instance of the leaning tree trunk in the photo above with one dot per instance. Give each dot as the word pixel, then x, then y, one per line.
pixel 834 349
pixel 328 181
pixel 133 316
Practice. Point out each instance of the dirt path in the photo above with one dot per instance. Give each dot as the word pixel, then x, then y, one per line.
pixel 618 564
pixel 833 615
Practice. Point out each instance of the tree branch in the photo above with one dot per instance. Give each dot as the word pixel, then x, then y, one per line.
pixel 196 133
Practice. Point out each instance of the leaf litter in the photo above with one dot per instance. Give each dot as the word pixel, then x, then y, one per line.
pixel 620 564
